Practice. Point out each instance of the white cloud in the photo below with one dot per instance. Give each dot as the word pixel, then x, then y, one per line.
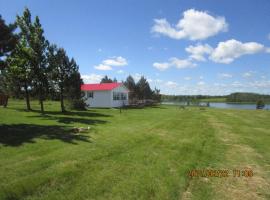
pixel 201 77
pixel 195 25
pixel 115 61
pixel 174 62
pixel 226 52
pixel 161 66
pixel 187 78
pixel 225 75
pixel 137 77
pixel 197 52
pixel 171 84
pixel 109 63
pixel 158 81
pixel 103 67
pixel 181 63
pixel 268 36
pixel 150 80
pixel 92 78
pixel 248 74
pixel 120 71
pixel 201 83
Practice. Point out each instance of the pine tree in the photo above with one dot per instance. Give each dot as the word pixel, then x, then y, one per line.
pixel 39 45
pixel 8 41
pixel 131 85
pixel 143 89
pixel 106 79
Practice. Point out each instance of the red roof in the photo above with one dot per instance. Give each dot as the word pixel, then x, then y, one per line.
pixel 100 86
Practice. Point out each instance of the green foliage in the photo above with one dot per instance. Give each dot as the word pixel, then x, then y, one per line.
pixel 36 68
pixel 143 89
pixel 186 98
pixel 8 41
pixel 260 104
pixel 131 85
pixel 77 104
pixel 247 97
pixel 106 79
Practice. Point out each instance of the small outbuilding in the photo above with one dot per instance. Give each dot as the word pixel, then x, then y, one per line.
pixel 105 95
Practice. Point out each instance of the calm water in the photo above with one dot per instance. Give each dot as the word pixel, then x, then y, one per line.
pixel 225 105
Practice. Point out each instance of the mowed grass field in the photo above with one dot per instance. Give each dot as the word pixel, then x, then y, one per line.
pixel 137 154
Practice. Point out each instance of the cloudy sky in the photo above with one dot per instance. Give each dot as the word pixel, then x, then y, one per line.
pixel 182 47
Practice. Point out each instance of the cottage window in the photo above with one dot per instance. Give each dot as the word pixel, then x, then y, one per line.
pixel 90 94
pixel 119 96
pixel 123 96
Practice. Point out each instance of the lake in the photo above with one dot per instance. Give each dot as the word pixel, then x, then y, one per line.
pixel 251 106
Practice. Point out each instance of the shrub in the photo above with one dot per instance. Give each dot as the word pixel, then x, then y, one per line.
pixel 78 104
pixel 260 104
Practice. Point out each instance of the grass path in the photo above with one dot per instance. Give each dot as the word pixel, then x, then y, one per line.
pixel 138 154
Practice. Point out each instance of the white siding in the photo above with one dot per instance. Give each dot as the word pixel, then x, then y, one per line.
pixel 100 99
pixel 119 103
pixel 105 98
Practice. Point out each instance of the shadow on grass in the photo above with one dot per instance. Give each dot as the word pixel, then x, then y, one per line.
pixel 70 120
pixel 87 113
pixel 18 134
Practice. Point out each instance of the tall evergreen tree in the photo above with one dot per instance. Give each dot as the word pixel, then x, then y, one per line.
pixel 19 73
pixel 106 79
pixel 143 89
pixel 131 85
pixel 8 41
pixel 59 70
pixel 39 45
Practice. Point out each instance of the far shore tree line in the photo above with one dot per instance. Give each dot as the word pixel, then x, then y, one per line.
pixel 138 91
pixel 32 68
pixel 238 97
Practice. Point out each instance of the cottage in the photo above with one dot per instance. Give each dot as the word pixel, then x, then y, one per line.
pixel 105 94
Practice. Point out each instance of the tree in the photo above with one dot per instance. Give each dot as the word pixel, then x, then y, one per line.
pixel 38 60
pixel 114 80
pixel 131 85
pixel 106 79
pixel 8 41
pixel 156 95
pixel 58 70
pixel 73 87
pixel 19 73
pixel 143 89
pixel 260 104
pixel 64 75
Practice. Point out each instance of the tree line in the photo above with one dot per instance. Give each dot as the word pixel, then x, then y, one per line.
pixel 187 98
pixel 247 97
pixel 139 90
pixel 32 67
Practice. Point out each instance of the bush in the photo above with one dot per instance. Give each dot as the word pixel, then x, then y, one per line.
pixel 78 104
pixel 260 104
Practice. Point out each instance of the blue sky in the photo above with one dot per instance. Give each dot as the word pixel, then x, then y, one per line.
pixel 182 47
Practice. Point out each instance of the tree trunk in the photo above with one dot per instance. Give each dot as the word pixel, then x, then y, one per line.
pixel 27 97
pixel 62 100
pixel 41 105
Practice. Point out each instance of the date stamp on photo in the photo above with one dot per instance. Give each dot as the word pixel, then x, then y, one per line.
pixel 220 173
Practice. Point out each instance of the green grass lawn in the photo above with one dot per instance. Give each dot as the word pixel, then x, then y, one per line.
pixel 138 154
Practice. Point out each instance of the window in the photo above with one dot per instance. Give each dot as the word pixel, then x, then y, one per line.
pixel 90 94
pixel 119 96
pixel 116 96
pixel 123 96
